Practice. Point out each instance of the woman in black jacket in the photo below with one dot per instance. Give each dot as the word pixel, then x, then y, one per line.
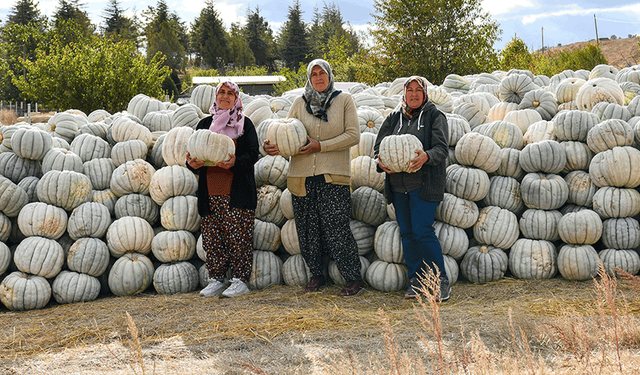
pixel 415 196
pixel 227 197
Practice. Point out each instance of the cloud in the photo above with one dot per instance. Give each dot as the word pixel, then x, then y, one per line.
pixel 576 10
pixel 498 7
pixel 228 11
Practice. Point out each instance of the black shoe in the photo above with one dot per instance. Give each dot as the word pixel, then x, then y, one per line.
pixel 314 284
pixel 412 290
pixel 445 290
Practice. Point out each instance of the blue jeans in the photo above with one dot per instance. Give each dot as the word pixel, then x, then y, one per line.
pixel 419 242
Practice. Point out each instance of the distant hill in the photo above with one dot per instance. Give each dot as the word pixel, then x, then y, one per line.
pixel 619 53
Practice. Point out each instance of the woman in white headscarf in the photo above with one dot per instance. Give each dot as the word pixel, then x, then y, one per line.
pixel 319 178
pixel 416 195
pixel 227 197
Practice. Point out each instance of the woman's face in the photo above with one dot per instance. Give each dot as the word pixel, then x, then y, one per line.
pixel 414 95
pixel 319 79
pixel 226 97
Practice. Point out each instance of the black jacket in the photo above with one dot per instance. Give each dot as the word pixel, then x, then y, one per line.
pixel 430 126
pixel 243 186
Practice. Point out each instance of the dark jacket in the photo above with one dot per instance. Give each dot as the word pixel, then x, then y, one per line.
pixel 243 186
pixel 430 126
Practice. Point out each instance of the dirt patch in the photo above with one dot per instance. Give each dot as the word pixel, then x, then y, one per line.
pixel 279 330
pixel 620 53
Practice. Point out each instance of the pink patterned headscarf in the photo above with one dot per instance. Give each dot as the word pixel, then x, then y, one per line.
pixel 229 122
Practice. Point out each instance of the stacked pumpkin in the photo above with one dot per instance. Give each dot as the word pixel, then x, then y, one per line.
pixel 275 228
pixel 468 183
pixel 614 169
pixel 598 115
pixel 173 188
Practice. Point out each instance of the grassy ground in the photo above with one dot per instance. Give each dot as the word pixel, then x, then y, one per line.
pixel 281 330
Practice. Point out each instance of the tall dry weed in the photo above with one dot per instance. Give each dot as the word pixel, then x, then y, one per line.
pixel 573 344
pixel 600 344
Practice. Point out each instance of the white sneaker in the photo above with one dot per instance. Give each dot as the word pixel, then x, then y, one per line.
pixel 214 288
pixel 237 288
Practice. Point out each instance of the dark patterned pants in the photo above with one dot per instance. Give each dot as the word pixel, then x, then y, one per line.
pixel 322 222
pixel 227 239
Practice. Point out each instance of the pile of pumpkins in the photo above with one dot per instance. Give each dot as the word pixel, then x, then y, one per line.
pixel 541 179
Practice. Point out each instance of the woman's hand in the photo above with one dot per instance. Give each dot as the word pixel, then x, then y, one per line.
pixel 417 162
pixel 384 167
pixel 194 163
pixel 270 149
pixel 227 164
pixel 310 148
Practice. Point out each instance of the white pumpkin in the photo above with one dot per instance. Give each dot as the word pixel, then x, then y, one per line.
pixel 130 274
pixel 66 189
pixel 89 256
pixel 364 173
pixel 180 213
pixel 129 234
pixel 174 146
pixel 397 151
pixel 132 177
pixel 387 277
pixel 289 134
pixel 388 243
pixel 173 278
pixel 39 256
pixel 598 90
pixel 533 259
pixel 31 143
pixel 266 270
pixel 12 197
pixel 496 226
pixel 368 205
pixel 172 181
pixel 580 228
pixel 44 220
pixel 72 287
pixel 210 147
pixel 21 291
pixel 173 246
pixel 578 262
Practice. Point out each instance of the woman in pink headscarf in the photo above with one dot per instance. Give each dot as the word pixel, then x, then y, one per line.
pixel 227 197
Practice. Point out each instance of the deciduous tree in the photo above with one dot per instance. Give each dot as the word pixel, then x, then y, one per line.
pixel 102 74
pixel 434 38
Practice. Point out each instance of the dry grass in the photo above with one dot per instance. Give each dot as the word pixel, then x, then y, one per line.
pixel 515 326
pixel 8 117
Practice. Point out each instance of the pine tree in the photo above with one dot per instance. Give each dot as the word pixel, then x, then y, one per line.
pixel 117 25
pixel 69 13
pixel 294 46
pixel 240 55
pixel 260 39
pixel 166 34
pixel 25 11
pixel 328 25
pixel 156 17
pixel 208 38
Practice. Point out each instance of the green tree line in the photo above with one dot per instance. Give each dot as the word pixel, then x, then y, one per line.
pixel 67 61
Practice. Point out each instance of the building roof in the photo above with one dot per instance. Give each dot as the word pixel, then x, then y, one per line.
pixel 240 80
